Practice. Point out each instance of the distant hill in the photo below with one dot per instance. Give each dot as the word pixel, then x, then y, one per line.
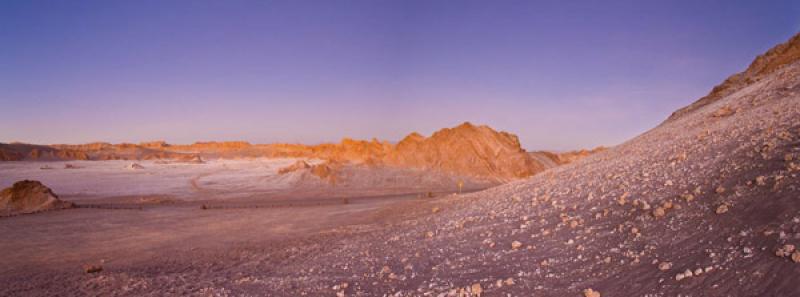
pixel 466 149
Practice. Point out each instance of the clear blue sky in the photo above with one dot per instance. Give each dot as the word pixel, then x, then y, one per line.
pixel 561 76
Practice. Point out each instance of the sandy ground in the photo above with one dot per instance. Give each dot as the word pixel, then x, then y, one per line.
pixel 128 218
pixel 69 238
pixel 255 180
pixel 103 179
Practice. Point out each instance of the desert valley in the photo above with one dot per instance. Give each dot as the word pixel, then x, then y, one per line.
pixel 248 194
pixel 706 203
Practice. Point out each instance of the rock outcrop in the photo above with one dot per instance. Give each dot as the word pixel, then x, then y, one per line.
pixel 296 166
pixel 325 171
pixel 134 166
pixel 466 149
pixel 29 196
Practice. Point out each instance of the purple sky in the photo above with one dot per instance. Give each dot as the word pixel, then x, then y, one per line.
pixel 559 76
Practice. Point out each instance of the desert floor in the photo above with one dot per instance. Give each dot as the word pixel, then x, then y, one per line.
pixel 130 218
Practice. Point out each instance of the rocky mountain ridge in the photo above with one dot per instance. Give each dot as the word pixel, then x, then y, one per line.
pixel 466 149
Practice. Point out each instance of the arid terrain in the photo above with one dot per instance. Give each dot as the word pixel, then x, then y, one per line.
pixel 705 204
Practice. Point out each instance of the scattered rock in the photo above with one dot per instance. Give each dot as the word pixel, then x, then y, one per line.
pixel 134 166
pixel 509 281
pixel 635 231
pixel 658 212
pixel 664 266
pixel 622 200
pixel 516 245
pixel 476 289
pixel 90 268
pixel 723 112
pixel 679 276
pixel 686 274
pixel 722 208
pixel 590 293
pixel 698 271
pixel 785 251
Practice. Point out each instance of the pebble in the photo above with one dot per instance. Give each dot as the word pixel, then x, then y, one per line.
pixel 590 293
pixel 516 245
pixel 785 251
pixel 477 290
pixel 723 208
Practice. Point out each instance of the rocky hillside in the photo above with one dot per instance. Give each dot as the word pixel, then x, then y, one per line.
pixel 764 65
pixel 552 159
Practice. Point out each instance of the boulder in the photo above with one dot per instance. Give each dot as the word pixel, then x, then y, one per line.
pixel 29 196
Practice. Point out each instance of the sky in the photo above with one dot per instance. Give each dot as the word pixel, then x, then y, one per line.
pixel 560 74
